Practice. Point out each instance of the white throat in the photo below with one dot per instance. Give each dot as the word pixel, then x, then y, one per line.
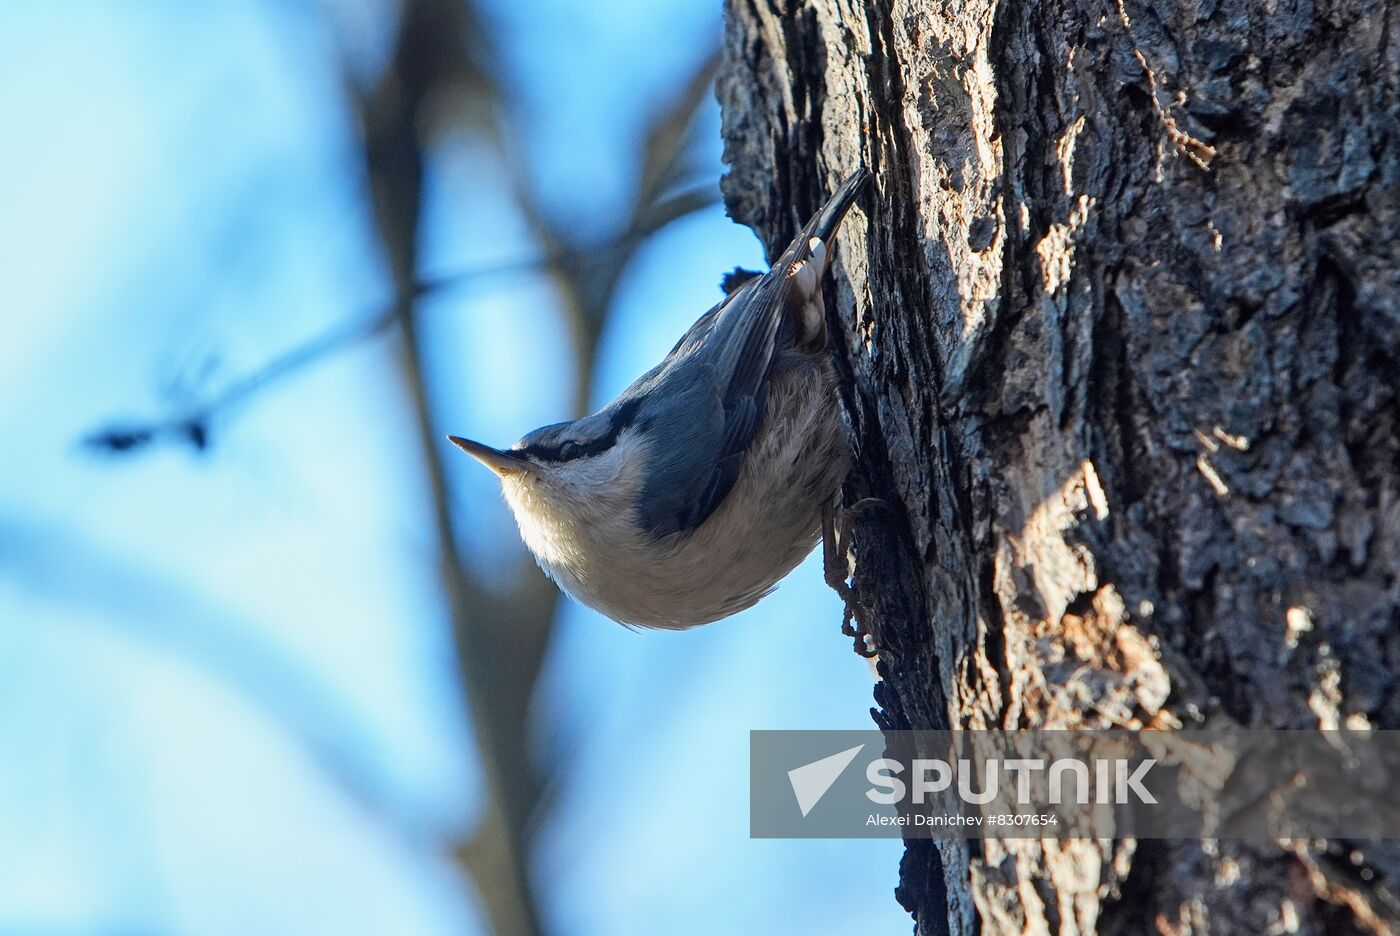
pixel 568 512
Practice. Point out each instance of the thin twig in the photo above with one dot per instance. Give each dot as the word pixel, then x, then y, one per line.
pixel 192 424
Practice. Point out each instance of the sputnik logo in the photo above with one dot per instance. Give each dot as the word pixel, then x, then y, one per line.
pixel 811 781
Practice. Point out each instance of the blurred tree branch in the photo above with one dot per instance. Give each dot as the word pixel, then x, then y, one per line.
pixel 194 423
pixel 502 640
pixel 441 76
pixel 585 274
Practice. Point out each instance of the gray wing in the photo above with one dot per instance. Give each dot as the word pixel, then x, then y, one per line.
pixel 704 403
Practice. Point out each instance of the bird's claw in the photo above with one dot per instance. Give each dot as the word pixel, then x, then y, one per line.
pixel 836 550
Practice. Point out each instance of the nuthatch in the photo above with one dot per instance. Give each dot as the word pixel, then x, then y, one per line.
pixel 706 481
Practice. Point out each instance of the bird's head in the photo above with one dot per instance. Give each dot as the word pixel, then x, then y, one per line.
pixel 559 455
pixel 564 478
pixel 569 455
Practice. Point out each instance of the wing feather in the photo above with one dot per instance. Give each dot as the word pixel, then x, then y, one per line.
pixel 704 403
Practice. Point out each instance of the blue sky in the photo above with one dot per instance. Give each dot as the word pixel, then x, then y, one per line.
pixel 227 701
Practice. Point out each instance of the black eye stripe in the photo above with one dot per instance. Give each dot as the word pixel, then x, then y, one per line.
pixel 569 450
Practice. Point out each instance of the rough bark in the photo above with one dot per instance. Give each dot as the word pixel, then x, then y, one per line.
pixel 1121 319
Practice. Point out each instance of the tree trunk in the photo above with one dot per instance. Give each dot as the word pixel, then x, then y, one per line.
pixel 1121 318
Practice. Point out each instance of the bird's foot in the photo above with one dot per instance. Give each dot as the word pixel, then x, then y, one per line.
pixel 836 564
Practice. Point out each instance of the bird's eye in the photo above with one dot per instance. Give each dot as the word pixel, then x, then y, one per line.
pixel 568 451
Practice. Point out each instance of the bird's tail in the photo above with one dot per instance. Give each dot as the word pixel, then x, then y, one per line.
pixel 824 224
pixel 818 232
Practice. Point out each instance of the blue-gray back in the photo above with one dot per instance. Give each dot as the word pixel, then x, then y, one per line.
pixel 702 405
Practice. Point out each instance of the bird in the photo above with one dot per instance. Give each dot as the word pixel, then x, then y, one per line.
pixel 712 476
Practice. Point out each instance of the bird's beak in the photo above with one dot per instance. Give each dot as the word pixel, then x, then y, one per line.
pixel 501 462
